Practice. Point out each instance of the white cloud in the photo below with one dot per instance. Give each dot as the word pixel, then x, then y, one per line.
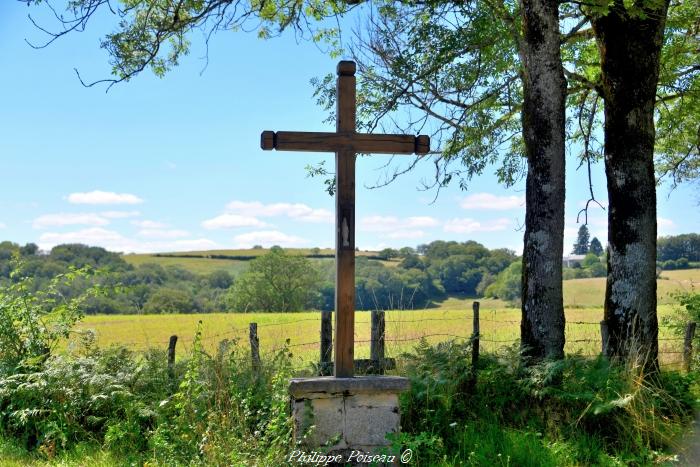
pixel 378 223
pixel 665 226
pixel 266 238
pixel 421 221
pixel 146 224
pixel 231 221
pixel 296 211
pixel 103 197
pixel 392 224
pixel 115 241
pixel 491 202
pixel 467 225
pixel 62 219
pixel 119 214
pixel 406 234
pixel 92 236
pixel 3 225
pixel 163 233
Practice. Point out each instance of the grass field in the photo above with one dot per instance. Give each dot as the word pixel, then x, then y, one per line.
pixel 591 292
pixel 204 264
pixel 196 265
pixel 452 318
pixel 499 328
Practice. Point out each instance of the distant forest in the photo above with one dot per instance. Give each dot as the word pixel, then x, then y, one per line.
pixel 280 281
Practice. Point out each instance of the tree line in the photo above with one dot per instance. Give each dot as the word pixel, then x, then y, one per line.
pixel 283 282
pixel 275 281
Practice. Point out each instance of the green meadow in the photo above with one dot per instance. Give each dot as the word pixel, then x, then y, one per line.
pixel 499 328
pixel 450 319
pixel 201 262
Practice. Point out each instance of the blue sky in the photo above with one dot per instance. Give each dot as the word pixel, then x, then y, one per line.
pixel 174 163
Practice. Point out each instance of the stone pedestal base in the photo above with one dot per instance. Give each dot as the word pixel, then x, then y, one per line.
pixel 341 415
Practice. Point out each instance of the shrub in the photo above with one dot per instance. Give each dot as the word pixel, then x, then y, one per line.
pixel 507 284
pixel 33 323
pixel 107 395
pixel 224 413
pixel 577 411
pixel 169 300
pixel 275 281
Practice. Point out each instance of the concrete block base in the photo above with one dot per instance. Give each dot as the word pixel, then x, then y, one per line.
pixel 341 415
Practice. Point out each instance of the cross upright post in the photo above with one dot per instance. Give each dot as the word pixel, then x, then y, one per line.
pixel 344 362
pixel 346 143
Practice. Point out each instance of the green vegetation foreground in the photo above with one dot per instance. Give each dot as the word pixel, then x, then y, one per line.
pixel 118 406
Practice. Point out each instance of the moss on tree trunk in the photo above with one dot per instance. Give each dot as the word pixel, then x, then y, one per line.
pixel 630 47
pixel 542 325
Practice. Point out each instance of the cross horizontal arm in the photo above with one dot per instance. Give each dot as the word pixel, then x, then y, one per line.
pixel 334 142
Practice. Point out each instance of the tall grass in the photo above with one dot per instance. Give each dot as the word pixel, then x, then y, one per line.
pixel 499 328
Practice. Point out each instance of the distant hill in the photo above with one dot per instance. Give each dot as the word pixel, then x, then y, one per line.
pixel 234 261
pixel 577 292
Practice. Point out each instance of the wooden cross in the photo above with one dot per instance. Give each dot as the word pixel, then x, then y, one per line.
pixel 346 143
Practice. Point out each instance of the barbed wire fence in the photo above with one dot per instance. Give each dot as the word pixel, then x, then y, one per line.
pixel 381 337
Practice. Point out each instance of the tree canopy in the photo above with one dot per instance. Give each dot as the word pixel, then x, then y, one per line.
pixel 582 245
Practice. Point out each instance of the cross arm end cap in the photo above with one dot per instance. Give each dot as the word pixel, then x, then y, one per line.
pixel 422 144
pixel 267 140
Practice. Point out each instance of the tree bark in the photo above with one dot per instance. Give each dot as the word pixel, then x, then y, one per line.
pixel 543 119
pixel 630 49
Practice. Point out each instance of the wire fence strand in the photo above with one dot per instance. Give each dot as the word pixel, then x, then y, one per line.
pixel 402 330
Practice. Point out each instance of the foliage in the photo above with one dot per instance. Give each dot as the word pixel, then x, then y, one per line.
pixel 507 284
pixel 595 247
pixel 404 48
pixel 32 324
pixel 167 300
pixel 688 310
pixel 224 413
pixel 440 384
pixel 220 411
pixel 576 411
pixel 582 245
pixel 444 267
pixel 590 266
pixel 108 394
pixel 276 281
pixel 675 247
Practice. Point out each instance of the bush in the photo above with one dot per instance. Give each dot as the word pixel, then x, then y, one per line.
pixel 276 281
pixel 508 283
pixel 224 413
pixel 577 411
pixel 687 311
pixel 167 300
pixel 110 395
pixel 212 410
pixel 33 323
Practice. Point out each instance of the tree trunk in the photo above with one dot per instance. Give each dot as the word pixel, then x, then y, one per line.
pixel 542 325
pixel 630 48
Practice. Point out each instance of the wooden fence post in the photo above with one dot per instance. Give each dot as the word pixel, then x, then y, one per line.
pixel 604 337
pixel 688 345
pixel 171 356
pixel 376 349
pixel 326 366
pixel 475 343
pixel 254 347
